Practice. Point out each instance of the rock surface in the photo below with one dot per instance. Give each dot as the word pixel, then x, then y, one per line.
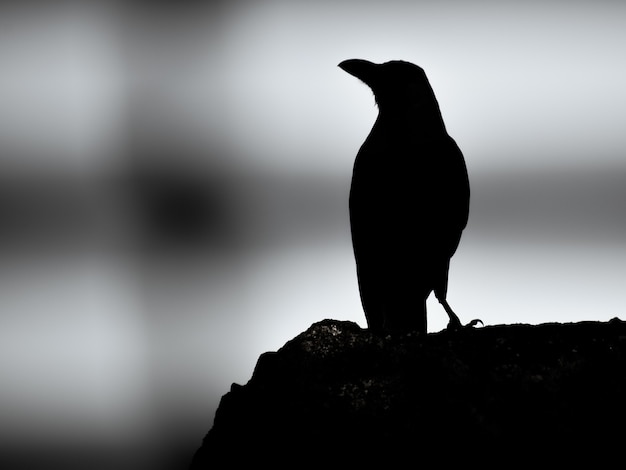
pixel 338 396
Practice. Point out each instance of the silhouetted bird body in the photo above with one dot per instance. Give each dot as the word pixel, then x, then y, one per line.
pixel 409 200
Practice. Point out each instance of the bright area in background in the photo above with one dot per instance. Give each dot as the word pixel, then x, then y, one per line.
pixel 175 181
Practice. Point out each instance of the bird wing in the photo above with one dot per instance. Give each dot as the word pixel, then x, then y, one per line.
pixel 409 204
pixel 430 201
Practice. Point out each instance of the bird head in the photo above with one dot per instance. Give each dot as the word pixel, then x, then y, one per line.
pixel 397 84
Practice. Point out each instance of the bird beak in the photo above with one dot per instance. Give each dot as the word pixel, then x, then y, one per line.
pixel 362 69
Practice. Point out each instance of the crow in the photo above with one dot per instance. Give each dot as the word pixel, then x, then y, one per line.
pixel 409 200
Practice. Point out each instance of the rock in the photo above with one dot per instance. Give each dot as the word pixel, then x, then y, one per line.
pixel 338 396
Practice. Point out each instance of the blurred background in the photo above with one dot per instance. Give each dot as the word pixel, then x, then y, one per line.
pixel 174 183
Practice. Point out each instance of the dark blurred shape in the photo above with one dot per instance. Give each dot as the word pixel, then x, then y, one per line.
pixel 55 213
pixel 338 396
pixel 561 206
pixel 409 200
pixel 178 208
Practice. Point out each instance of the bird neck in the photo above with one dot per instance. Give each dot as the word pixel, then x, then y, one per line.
pixel 422 121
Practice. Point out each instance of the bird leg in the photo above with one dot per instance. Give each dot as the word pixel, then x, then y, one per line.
pixel 454 323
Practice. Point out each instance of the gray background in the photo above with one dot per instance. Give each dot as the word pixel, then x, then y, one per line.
pixel 117 338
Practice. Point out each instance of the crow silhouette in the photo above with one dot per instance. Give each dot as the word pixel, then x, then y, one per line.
pixel 409 200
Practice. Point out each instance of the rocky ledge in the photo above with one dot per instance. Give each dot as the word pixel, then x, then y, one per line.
pixel 338 396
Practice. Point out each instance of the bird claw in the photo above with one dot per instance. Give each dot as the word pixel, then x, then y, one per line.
pixel 456 325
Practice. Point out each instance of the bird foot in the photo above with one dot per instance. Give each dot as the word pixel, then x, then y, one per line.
pixel 456 325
